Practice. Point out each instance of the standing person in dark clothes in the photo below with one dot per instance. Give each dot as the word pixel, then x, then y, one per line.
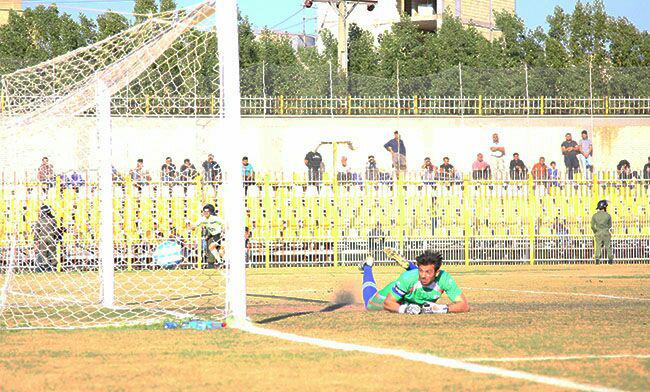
pixel 570 151
pixel 398 153
pixel 47 235
pixel 601 224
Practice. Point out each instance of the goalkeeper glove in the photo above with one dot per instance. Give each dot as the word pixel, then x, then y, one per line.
pixel 433 308
pixel 410 309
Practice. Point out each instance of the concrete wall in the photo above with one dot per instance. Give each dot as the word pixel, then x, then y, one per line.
pixel 281 143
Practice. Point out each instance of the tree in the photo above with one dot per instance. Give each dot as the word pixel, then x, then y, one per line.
pixel 167 5
pixel 142 8
pixel 109 24
pixel 361 51
pixel 405 44
pixel 248 51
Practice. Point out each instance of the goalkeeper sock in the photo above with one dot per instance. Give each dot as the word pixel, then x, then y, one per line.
pixel 411 266
pixel 369 287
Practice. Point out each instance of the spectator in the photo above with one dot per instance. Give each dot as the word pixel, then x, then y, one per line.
pixel 570 151
pixel 117 176
pixel 211 169
pixel 623 170
pixel 646 170
pixel 45 173
pixel 314 163
pixel 188 171
pixel 429 170
pixel 73 180
pixel 498 152
pixel 398 153
pixel 139 175
pixel 47 235
pixel 586 154
pixel 372 172
pixel 447 170
pixel 247 171
pixel 553 173
pixel 540 170
pixel 344 173
pixel 168 171
pixel 518 170
pixel 480 168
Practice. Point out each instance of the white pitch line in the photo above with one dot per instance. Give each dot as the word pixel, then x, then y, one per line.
pixel 424 358
pixel 559 358
pixel 560 293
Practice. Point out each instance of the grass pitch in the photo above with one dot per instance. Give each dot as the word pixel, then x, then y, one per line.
pixel 522 318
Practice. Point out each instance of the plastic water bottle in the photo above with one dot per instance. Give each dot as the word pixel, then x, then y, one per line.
pixel 201 325
pixel 171 325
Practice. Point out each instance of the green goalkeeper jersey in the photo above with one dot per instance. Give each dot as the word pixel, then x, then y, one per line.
pixel 407 288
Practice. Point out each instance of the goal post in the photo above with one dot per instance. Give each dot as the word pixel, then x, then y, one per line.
pixel 234 192
pixel 105 188
pixel 100 233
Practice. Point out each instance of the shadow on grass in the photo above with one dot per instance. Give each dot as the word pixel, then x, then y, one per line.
pixel 329 308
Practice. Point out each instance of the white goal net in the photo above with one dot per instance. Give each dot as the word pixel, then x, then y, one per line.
pixel 97 214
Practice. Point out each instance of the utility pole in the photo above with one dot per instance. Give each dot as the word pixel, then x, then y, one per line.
pixel 343 37
pixel 341 7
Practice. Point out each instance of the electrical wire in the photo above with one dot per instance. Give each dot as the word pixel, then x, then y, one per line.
pixel 289 17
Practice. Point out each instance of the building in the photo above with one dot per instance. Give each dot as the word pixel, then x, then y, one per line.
pixel 297 40
pixel 6 6
pixel 427 14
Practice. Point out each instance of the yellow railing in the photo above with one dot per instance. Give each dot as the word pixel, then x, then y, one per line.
pixel 333 214
pixel 416 105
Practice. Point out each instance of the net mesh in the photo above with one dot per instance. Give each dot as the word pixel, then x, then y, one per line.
pixel 50 269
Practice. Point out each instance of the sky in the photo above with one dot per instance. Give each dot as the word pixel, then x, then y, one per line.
pixel 286 15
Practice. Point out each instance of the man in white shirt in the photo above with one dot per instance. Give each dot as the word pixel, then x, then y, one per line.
pixel 344 173
pixel 585 157
pixel 497 152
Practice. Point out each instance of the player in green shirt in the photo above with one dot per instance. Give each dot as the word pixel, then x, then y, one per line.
pixel 213 227
pixel 416 290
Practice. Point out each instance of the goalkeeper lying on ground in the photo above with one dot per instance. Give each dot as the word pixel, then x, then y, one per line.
pixel 416 290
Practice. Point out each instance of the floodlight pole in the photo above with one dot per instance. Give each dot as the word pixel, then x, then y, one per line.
pixel 229 131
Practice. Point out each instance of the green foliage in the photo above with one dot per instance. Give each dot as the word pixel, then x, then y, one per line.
pixel 405 58
pixel 142 8
pixel 109 24
pixel 167 5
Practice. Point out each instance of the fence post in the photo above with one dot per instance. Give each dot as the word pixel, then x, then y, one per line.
pixel 460 84
pixel 58 257
pixel 2 102
pixel 267 208
pixel 480 105
pixel 146 104
pixel 541 105
pixel 532 218
pixel 129 253
pixel 606 106
pixel 399 104
pixel 211 104
pixel 349 105
pixel 336 223
pixel 415 105
pixel 264 88
pixel 282 105
pixel 466 211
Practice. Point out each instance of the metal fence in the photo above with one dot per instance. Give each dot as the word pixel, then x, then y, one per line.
pixel 463 91
pixel 295 221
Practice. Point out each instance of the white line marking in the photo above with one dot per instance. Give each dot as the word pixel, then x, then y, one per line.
pixel 565 358
pixel 561 293
pixel 421 357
